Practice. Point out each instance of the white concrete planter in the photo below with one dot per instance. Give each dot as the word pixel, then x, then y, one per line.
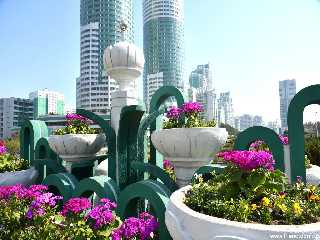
pixel 188 148
pixel 24 177
pixel 75 148
pixel 313 175
pixel 185 224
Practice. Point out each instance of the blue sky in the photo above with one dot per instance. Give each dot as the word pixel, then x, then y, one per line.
pixel 252 44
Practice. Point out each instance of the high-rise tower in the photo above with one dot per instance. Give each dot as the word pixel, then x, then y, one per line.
pixel 287 90
pixel 163 45
pixel 99 25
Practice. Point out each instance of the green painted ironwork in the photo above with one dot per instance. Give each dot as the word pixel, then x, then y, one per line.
pixel 157 195
pixel 158 98
pixel 130 118
pixel 31 131
pixel 155 172
pixel 103 186
pixel 110 138
pixel 207 169
pixel 267 135
pixel 62 184
pixel 305 97
pixel 46 161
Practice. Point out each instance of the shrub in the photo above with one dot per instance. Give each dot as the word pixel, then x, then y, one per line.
pixel 76 124
pixel 34 213
pixel 250 190
pixel 191 111
pixel 312 150
pixel 10 162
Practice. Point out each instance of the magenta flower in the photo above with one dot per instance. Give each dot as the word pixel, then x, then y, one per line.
pixel 167 164
pixel 38 206
pixel 174 113
pixel 192 107
pixel 73 116
pixel 284 139
pixel 75 206
pixel 100 216
pixel 249 160
pixel 141 228
pixel 256 144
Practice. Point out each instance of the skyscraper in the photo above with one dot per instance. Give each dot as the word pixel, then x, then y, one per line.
pixel 287 90
pixel 47 102
pixel 201 90
pixel 163 45
pixel 99 27
pixel 225 109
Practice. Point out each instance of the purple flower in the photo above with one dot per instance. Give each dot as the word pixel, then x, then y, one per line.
pixel 73 117
pixel 141 227
pixel 256 144
pixel 174 113
pixel 249 160
pixel 192 107
pixel 38 206
pixel 284 139
pixel 101 214
pixel 167 164
pixel 3 149
pixel 75 206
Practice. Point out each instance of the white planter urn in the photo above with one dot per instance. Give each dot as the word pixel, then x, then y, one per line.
pixel 24 177
pixel 188 148
pixel 76 148
pixel 185 224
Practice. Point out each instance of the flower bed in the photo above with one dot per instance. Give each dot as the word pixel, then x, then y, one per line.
pixel 34 213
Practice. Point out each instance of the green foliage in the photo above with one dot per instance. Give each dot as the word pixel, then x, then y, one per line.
pixel 192 121
pixel 312 149
pixel 13 145
pixel 10 163
pixel 258 196
pixel 231 130
pixel 76 127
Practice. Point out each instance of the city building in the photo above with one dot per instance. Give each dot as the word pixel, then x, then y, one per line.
pixel 68 108
pixel 287 90
pixel 13 112
pixel 225 109
pixel 47 102
pixel 201 90
pixel 246 120
pixel 163 45
pixel 274 125
pixel 99 28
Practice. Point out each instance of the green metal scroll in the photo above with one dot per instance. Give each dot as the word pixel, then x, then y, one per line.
pixel 156 172
pixel 307 96
pixel 62 183
pixel 157 195
pixel 110 138
pixel 267 135
pixel 103 186
pixel 46 161
pixel 31 131
pixel 130 118
pixel 157 99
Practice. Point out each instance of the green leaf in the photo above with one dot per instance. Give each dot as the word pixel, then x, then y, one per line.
pixel 256 179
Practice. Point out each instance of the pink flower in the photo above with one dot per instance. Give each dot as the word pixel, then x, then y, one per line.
pixel 75 206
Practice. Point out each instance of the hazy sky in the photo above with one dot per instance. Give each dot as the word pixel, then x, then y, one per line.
pixel 251 44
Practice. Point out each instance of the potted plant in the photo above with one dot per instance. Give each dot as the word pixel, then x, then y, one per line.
pixel 248 200
pixel 77 141
pixel 14 170
pixel 188 144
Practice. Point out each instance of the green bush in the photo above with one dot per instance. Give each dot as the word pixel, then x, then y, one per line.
pixel 312 150
pixel 10 163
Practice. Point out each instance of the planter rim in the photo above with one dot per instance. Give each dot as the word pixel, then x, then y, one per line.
pixel 177 199
pixel 75 134
pixel 191 129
